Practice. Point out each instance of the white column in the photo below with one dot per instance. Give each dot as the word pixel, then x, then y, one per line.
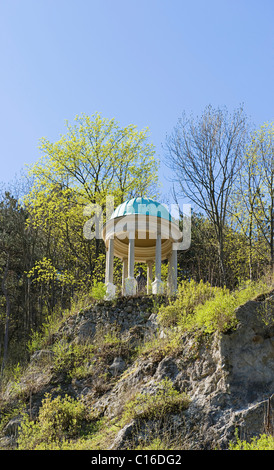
pixel 111 288
pixel 158 259
pixel 106 273
pixel 158 285
pixel 172 272
pixel 110 259
pixel 131 257
pixel 124 274
pixel 149 276
pixel 130 281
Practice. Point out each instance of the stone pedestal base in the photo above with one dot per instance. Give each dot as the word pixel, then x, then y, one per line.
pixel 158 287
pixel 130 286
pixel 110 293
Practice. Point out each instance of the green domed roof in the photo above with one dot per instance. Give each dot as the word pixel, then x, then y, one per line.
pixel 141 205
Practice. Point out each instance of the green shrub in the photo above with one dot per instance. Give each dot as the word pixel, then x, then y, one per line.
pixel 99 290
pixel 262 442
pixel 44 337
pixel 158 347
pixel 109 344
pixel 190 294
pixel 155 406
pixel 59 419
pixel 72 358
pixel 218 313
pixel 198 305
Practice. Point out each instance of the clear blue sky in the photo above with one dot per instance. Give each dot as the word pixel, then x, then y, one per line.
pixel 140 61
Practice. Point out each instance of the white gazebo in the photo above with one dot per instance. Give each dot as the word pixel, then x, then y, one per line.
pixel 141 230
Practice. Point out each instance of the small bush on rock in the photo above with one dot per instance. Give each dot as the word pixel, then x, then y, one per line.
pixel 262 442
pixel 58 420
pixel 154 406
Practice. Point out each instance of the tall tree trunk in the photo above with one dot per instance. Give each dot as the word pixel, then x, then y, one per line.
pixel 272 232
pixel 250 258
pixel 222 264
pixel 6 337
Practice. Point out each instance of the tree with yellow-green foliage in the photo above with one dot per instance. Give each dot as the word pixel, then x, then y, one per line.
pixel 95 158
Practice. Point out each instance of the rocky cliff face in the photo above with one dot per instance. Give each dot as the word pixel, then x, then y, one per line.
pixel 229 378
pixel 232 383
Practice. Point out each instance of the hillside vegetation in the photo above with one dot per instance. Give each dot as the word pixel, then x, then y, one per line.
pixel 81 388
